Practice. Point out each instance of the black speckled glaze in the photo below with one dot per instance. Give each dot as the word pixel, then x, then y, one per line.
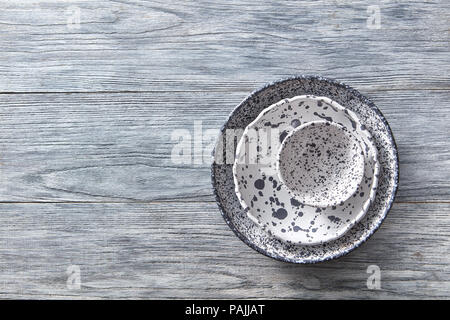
pixel 373 121
pixel 262 192
pixel 322 163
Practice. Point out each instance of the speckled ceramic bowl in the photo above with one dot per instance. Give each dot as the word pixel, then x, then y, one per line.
pixel 322 163
pixel 371 120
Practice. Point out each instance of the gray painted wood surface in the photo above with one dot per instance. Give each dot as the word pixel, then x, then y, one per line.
pixel 87 114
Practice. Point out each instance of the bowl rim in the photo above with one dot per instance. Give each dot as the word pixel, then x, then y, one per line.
pixel 347 134
pixel 396 171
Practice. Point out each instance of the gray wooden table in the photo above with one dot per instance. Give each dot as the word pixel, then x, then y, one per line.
pixel 92 94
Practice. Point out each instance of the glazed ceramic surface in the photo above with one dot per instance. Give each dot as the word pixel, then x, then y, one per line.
pixel 321 163
pixel 274 206
pixel 247 111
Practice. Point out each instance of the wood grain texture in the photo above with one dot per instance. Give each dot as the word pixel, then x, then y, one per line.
pixel 143 45
pixel 118 147
pixel 177 250
pixel 88 111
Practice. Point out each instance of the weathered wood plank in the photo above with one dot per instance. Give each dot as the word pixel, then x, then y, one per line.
pixel 151 67
pixel 179 250
pixel 156 45
pixel 117 147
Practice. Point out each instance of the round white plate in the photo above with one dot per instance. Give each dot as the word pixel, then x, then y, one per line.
pixel 269 202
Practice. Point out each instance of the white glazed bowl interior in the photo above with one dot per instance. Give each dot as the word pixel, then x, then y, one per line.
pixel 322 163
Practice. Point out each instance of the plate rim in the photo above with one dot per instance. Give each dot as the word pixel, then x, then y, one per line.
pixel 396 173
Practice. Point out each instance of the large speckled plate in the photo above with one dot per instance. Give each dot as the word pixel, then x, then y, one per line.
pixel 246 112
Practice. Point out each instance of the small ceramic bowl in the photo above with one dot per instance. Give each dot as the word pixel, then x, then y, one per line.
pixel 278 208
pixel 322 163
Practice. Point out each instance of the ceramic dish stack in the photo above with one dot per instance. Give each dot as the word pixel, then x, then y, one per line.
pixel 305 184
pixel 306 170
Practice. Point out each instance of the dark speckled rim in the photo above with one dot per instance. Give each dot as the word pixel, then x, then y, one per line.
pixel 387 207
